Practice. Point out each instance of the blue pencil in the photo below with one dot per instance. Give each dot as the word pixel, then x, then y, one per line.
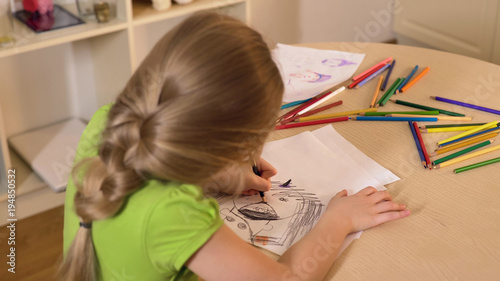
pixel 383 68
pixel 408 78
pixel 382 118
pixel 417 142
pixel 470 136
pixel 388 74
pixel 294 103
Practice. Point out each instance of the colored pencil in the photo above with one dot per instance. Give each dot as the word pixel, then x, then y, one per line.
pixel 258 173
pixel 296 110
pixel 494 111
pixel 439 117
pixel 353 84
pixel 294 103
pixel 316 122
pixel 477 165
pixel 383 118
pixel 375 95
pixel 422 145
pixel 372 69
pixel 336 114
pixel 312 112
pixel 322 100
pixel 417 143
pixel 407 79
pixel 383 113
pixel 420 75
pixel 388 75
pixel 414 105
pixel 458 145
pixel 396 91
pixel 473 136
pixel 391 92
pixel 450 129
pixel 462 152
pixel 451 125
pixel 470 132
pixel 373 75
pixel 388 91
pixel 467 156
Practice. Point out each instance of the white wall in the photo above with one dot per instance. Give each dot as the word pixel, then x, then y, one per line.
pixel 302 21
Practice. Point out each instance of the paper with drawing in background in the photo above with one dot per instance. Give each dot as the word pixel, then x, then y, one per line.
pixel 317 174
pixel 307 72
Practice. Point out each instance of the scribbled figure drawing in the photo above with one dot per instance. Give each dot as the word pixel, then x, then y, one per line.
pixel 290 212
pixel 310 76
pixel 336 62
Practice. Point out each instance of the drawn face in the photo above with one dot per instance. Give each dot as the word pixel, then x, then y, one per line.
pixel 307 76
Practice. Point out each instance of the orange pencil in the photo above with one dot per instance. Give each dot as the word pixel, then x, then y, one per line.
pixel 420 75
pixel 375 95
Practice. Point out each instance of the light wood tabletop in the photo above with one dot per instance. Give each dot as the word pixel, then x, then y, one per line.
pixel 453 232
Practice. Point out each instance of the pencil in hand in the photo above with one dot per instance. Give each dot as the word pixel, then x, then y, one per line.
pixel 257 172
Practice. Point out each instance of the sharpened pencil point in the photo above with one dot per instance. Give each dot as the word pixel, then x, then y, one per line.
pixel 392 100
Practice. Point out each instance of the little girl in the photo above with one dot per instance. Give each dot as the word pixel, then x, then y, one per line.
pixel 195 114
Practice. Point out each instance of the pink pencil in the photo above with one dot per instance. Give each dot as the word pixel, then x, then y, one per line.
pixel 380 64
pixel 309 123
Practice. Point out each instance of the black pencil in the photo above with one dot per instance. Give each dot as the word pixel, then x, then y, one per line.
pixel 257 172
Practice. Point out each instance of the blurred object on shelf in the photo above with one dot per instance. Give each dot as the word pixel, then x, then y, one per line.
pixel 43 7
pixel 85 8
pixel 58 18
pixel 6 25
pixel 105 10
pixel 162 4
pixel 182 2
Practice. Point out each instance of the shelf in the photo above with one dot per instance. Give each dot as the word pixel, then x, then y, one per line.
pixel 143 12
pixel 27 40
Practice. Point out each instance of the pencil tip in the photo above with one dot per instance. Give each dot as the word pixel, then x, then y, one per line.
pixel 433 97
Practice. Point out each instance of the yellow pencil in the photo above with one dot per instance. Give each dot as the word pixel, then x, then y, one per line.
pixel 447 129
pixel 469 132
pixel 439 117
pixel 420 75
pixel 461 144
pixel 375 95
pixel 338 114
pixel 480 137
pixel 467 156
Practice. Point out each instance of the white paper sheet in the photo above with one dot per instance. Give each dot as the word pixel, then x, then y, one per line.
pixel 338 144
pixel 317 174
pixel 307 72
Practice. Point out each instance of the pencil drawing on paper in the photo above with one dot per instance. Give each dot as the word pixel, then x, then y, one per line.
pixel 290 212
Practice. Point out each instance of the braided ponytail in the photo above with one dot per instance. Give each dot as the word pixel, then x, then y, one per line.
pixel 205 97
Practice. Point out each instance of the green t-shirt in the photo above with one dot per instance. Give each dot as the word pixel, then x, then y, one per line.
pixel 159 228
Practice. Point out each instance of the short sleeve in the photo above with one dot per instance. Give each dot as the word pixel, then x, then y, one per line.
pixel 179 225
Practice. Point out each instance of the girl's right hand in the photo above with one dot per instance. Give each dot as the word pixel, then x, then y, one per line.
pixel 365 209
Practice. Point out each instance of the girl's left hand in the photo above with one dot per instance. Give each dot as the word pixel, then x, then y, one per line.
pixel 253 183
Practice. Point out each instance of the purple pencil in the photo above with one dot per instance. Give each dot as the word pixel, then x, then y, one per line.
pixel 466 105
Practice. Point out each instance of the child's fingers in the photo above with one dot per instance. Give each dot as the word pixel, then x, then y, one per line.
pixel 367 190
pixel 342 193
pixel 267 170
pixel 390 216
pixel 387 206
pixel 260 184
pixel 381 196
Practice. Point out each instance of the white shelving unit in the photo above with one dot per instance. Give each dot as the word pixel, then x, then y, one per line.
pixel 72 72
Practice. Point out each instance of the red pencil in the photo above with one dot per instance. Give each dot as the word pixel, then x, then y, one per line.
pixel 296 110
pixel 353 84
pixel 309 123
pixel 312 112
pixel 421 141
pixel 378 65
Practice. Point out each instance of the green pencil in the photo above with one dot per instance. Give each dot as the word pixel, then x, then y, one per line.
pixel 393 90
pixel 451 125
pixel 451 113
pixel 477 165
pixel 381 113
pixel 388 90
pixel 462 152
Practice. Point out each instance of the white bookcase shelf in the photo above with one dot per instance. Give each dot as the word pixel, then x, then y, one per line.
pixel 70 73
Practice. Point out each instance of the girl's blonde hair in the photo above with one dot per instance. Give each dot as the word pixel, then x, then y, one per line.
pixel 206 96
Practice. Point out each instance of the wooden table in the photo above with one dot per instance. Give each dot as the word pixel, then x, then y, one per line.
pixel 454 230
